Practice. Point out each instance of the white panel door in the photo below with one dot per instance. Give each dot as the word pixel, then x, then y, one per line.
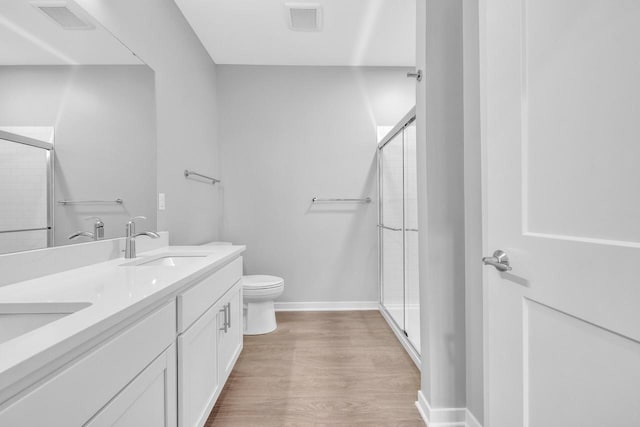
pixel 561 140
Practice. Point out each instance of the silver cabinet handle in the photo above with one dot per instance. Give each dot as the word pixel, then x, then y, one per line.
pixel 499 260
pixel 229 314
pixel 225 327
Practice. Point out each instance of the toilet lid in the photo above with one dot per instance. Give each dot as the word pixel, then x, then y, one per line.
pixel 261 282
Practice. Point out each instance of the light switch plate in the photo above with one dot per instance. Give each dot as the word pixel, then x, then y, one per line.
pixel 161 201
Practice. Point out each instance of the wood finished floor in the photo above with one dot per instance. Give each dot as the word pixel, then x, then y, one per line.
pixel 321 368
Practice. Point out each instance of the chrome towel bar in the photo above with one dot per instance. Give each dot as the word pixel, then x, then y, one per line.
pixel 365 200
pixel 91 202
pixel 25 229
pixel 188 173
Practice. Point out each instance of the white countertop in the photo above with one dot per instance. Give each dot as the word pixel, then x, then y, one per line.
pixel 115 292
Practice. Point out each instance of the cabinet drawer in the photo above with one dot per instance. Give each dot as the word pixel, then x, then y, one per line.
pixel 196 300
pixel 72 396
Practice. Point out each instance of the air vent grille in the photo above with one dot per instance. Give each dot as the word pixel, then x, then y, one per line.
pixel 63 16
pixel 304 16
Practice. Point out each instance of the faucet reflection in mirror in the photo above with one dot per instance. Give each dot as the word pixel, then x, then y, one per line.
pixel 98 230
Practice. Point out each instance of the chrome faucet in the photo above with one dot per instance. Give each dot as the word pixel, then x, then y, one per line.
pixel 98 230
pixel 130 243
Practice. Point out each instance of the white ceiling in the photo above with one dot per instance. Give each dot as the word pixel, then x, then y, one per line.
pixel 355 32
pixel 29 37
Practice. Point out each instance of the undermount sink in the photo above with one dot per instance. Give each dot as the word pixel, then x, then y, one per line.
pixel 172 261
pixel 19 318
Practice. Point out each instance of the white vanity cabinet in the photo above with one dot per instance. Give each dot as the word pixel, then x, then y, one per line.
pixel 209 314
pixel 129 380
pixel 161 366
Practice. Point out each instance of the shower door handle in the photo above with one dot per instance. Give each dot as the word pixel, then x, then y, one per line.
pixel 389 228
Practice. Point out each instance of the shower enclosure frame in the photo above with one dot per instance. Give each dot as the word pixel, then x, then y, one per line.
pixel 399 331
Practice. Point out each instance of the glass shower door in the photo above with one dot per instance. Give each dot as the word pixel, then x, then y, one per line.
pixel 391 175
pixel 399 258
pixel 412 283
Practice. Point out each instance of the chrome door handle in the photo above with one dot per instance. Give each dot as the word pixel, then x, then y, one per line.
pixel 499 260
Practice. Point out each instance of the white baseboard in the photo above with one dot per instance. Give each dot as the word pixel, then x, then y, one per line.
pixel 445 417
pixel 472 421
pixel 326 306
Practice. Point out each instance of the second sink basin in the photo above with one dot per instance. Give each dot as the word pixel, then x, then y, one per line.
pixel 172 261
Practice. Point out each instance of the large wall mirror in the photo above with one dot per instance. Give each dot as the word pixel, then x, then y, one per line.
pixel 77 128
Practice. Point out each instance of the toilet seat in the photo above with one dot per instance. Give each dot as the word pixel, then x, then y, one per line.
pixel 262 293
pixel 261 282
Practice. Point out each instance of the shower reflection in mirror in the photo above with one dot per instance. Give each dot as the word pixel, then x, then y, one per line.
pixel 26 189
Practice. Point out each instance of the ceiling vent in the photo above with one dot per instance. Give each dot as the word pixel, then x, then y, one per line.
pixel 62 14
pixel 304 16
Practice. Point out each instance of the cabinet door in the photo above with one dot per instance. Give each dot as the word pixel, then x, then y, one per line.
pixel 198 379
pixel 149 400
pixel 230 338
pixel 78 392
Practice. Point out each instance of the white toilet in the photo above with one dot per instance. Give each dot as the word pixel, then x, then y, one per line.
pixel 259 292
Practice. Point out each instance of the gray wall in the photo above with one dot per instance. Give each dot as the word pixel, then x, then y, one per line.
pixel 440 118
pixel 448 115
pixel 288 134
pixel 473 212
pixel 186 109
pixel 105 137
